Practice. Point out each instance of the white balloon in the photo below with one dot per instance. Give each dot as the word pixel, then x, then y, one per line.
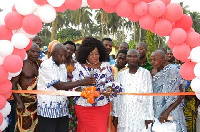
pixel 1 60
pixel 4 125
pixel 56 3
pixel 20 40
pixel 195 85
pixel 197 70
pixel 14 74
pixel 84 3
pixel 198 95
pixel 6 110
pixel 195 54
pixel 6 48
pixel 21 30
pixel 24 7
pixel 46 13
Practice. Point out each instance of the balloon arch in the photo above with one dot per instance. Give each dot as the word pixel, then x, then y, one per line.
pixel 159 16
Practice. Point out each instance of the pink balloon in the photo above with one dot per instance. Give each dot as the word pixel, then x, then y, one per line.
pixel 166 2
pixel 153 29
pixel 170 44
pixel 193 39
pixel 147 1
pixel 141 8
pixel 29 45
pixel 163 27
pixel 32 24
pixel 7 95
pixel 147 22
pixel 109 9
pixel 182 52
pixel 1 118
pixel 3 74
pixel 173 12
pixel 40 2
pixel 5 87
pixel 133 17
pixel 112 2
pixel 185 22
pixel 73 4
pixel 62 8
pixel 157 8
pixel 20 52
pixel 187 70
pixel 13 9
pixel 2 104
pixel 178 36
pixel 5 33
pixel 124 12
pixel 96 4
pixel 13 20
pixel 190 30
pixel 13 63
pixel 134 1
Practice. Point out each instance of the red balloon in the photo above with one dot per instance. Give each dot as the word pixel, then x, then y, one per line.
pixel 29 45
pixel 147 22
pixel 133 1
pixel 178 36
pixel 7 95
pixel 2 104
pixel 96 4
pixel 157 8
pixel 112 2
pixel 73 4
pixel 173 12
pixel 5 87
pixel 1 118
pixel 40 2
pixel 166 2
pixel 182 52
pixel 170 44
pixel 13 20
pixel 13 9
pixel 187 70
pixel 134 17
pixel 147 1
pixel 109 9
pixel 5 33
pixel 163 27
pixel 13 63
pixel 185 22
pixel 62 8
pixel 32 24
pixel 124 12
pixel 193 39
pixel 141 8
pixel 3 74
pixel 153 29
pixel 20 52
pixel 190 30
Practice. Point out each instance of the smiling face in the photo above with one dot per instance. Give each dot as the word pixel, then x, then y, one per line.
pixel 121 60
pixel 132 57
pixel 94 56
pixel 59 53
pixel 34 52
pixel 108 45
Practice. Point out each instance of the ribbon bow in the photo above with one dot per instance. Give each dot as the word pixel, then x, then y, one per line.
pixel 90 93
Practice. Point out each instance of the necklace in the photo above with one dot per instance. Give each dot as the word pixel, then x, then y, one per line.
pixel 90 63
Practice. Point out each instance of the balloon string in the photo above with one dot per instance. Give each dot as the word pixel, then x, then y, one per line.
pixel 138 94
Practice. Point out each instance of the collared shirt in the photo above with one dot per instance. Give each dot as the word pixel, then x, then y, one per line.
pixel 147 66
pixel 104 79
pixel 42 56
pixel 49 74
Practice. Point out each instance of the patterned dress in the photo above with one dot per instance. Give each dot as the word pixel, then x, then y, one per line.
pixel 165 81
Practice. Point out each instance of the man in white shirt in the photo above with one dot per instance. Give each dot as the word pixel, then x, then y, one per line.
pixel 53 110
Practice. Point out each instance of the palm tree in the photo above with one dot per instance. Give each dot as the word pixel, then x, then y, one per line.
pixel 196 20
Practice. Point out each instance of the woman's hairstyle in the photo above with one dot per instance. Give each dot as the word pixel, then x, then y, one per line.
pixel 88 45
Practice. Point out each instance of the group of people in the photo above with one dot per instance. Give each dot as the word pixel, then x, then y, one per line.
pixel 130 72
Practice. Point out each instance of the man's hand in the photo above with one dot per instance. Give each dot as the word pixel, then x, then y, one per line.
pixel 164 116
pixel 115 121
pixel 107 92
pixel 20 107
pixel 147 122
pixel 88 81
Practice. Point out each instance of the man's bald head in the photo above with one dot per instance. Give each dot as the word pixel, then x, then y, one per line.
pixel 123 46
pixel 58 47
pixel 143 44
pixel 159 53
pixel 59 53
pixel 133 51
pixel 34 52
pixel 34 45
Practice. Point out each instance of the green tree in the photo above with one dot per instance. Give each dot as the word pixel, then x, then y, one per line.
pixel 150 41
pixel 196 20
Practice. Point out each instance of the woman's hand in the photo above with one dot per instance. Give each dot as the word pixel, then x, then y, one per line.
pixel 107 92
